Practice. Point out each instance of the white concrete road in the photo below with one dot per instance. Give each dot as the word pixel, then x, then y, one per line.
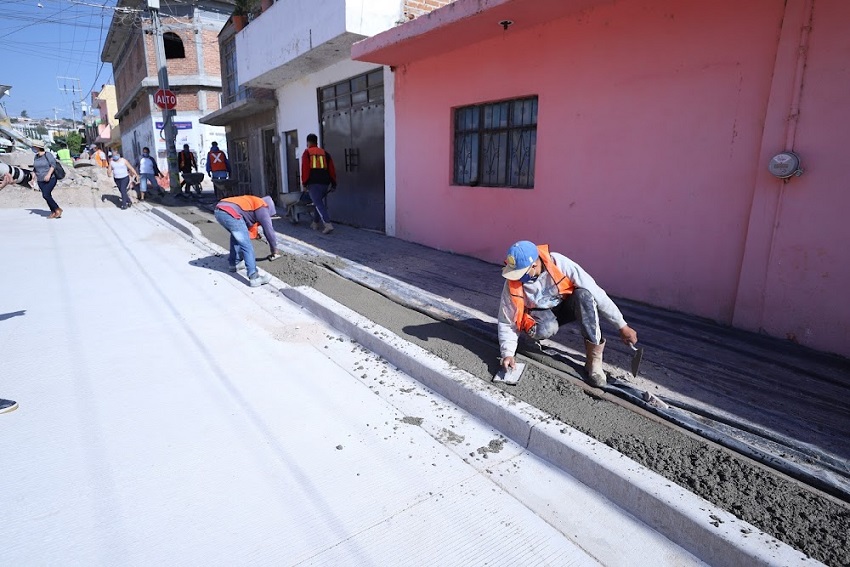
pixel 170 414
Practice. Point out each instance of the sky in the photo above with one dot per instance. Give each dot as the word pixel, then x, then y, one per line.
pixel 50 55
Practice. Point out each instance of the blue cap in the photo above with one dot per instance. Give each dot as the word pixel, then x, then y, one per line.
pixel 520 257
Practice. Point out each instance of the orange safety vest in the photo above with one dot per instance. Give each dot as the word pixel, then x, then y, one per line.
pixel 217 161
pixel 318 159
pixel 249 203
pixel 523 321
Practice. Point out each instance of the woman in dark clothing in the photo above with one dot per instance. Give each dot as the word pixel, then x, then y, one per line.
pixel 43 166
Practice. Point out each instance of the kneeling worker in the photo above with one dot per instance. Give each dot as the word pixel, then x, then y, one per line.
pixel 241 216
pixel 545 291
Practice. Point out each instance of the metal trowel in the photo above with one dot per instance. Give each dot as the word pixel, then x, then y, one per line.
pixel 510 376
pixel 638 356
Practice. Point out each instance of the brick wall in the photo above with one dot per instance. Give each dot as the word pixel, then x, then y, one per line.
pixel 139 62
pixel 415 8
pixel 213 101
pixel 187 100
pixel 142 112
pixel 152 71
pixel 212 60
pixel 187 65
pixel 131 71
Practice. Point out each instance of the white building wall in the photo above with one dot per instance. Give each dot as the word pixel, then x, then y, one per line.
pixel 291 29
pixel 198 136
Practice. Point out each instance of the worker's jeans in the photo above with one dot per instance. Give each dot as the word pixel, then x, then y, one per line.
pixel 578 306
pixel 241 247
pixel 319 194
pixel 148 179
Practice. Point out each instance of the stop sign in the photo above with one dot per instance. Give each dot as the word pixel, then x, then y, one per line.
pixel 166 99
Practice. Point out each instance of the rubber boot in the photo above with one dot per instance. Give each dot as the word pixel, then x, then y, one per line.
pixel 593 364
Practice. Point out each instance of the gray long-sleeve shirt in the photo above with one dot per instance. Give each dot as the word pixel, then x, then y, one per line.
pixel 543 294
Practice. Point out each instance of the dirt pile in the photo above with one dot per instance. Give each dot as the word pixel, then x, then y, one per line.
pixel 84 186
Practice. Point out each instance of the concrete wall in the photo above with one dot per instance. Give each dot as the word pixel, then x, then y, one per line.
pixel 656 121
pixel 308 26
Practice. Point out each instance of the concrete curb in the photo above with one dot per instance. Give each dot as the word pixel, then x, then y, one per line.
pixel 170 218
pixel 710 533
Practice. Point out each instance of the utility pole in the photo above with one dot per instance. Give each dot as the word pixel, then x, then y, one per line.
pixel 167 115
pixel 71 85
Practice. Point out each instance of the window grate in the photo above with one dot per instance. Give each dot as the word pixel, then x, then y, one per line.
pixel 495 144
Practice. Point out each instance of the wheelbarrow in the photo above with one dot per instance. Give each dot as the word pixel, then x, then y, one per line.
pixel 193 181
pixel 226 188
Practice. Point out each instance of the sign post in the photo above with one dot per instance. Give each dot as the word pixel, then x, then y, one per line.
pixel 168 99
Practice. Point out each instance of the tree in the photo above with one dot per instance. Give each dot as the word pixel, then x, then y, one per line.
pixel 24 114
pixel 75 142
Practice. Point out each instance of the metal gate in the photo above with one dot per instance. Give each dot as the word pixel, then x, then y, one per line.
pixel 352 117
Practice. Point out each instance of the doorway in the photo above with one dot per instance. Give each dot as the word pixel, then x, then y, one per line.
pixel 293 172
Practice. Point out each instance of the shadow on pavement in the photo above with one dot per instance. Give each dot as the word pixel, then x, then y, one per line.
pixel 4 316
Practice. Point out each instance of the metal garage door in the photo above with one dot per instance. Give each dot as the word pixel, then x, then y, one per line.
pixel 352 115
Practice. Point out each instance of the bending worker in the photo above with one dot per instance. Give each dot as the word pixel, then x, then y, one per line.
pixel 546 290
pixel 241 216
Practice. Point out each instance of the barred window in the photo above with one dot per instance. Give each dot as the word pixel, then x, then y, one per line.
pixel 231 89
pixel 495 143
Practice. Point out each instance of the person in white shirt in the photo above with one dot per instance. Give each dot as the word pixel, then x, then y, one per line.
pixel 121 171
pixel 546 290
pixel 148 172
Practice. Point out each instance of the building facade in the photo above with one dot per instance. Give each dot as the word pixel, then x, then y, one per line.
pixel 190 37
pixel 299 50
pixel 248 116
pixel 103 129
pixel 636 137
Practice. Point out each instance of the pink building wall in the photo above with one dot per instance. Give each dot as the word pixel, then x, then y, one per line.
pixel 656 122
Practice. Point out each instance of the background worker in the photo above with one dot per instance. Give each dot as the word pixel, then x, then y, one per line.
pixel 241 216
pixel 186 162
pixel 217 165
pixel 64 155
pixel 99 156
pixel 318 176
pixel 546 290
